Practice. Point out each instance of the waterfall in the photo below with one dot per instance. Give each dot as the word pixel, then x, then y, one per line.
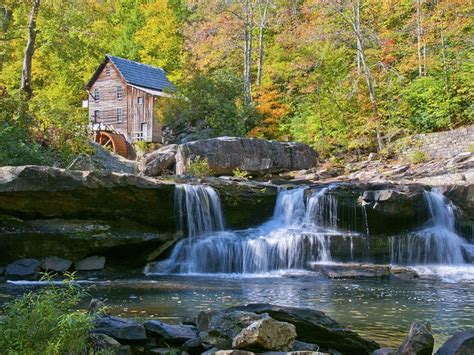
pixel 437 242
pixel 299 232
pixel 199 209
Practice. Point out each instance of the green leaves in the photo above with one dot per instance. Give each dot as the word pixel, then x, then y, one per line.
pixel 43 322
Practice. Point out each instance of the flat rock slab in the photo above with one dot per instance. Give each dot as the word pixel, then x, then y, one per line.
pixel 178 334
pixel 119 328
pixel 23 267
pixel 90 263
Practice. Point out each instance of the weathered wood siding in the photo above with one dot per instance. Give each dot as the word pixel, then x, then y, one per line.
pixel 108 103
pixel 143 112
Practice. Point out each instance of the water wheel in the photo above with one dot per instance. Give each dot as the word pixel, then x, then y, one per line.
pixel 114 142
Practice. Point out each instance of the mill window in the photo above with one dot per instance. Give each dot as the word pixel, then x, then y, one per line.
pixel 96 94
pixel 119 114
pixel 119 93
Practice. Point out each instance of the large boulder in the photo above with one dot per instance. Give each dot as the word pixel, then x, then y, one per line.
pixel 90 263
pixel 174 334
pixel 267 334
pixel 119 328
pixel 419 340
pixel 255 156
pixel 159 161
pixel 23 268
pixel 459 344
pixel 315 327
pixel 54 263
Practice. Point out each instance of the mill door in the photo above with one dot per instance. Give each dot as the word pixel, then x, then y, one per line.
pixel 144 131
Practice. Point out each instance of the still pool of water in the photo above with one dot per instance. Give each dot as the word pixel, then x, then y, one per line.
pixel 378 309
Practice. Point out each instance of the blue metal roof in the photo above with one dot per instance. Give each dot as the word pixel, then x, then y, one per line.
pixel 142 75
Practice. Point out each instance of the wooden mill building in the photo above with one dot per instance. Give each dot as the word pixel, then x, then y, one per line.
pixel 122 99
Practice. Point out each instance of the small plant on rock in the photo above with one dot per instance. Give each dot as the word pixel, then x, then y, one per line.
pixel 418 157
pixel 199 168
pixel 241 174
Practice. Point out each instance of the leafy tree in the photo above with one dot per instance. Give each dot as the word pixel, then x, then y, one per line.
pixel 213 101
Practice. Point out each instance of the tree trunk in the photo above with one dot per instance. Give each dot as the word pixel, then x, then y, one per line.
pixel 368 76
pixel 248 39
pixel 261 28
pixel 6 14
pixel 420 42
pixel 29 51
pixel 357 26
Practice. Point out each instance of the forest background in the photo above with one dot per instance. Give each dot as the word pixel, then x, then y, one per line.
pixel 347 77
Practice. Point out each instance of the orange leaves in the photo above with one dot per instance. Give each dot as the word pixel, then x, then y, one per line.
pixel 270 106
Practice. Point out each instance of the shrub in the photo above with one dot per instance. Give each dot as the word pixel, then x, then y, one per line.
pixel 471 148
pixel 199 168
pixel 418 157
pixel 44 322
pixel 242 174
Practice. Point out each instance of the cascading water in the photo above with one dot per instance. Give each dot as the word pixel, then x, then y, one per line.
pixel 437 242
pixel 199 210
pixel 299 232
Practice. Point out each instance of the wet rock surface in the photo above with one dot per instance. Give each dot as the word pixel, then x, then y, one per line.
pixel 459 344
pixel 419 340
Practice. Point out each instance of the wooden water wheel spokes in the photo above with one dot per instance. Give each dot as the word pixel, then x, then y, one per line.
pixel 116 143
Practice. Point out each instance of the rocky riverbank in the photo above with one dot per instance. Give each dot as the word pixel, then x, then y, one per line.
pixel 259 328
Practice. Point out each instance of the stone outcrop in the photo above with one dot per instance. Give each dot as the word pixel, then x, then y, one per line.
pixel 159 161
pixel 315 327
pixel 34 192
pixel 459 344
pixel 255 156
pixel 244 204
pixel 396 208
pixel 46 211
pixel 419 340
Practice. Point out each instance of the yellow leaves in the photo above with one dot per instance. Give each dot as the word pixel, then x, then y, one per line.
pixel 160 38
